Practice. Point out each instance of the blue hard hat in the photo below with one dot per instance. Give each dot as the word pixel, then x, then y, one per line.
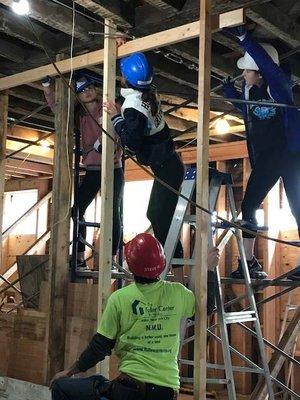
pixel 82 84
pixel 136 70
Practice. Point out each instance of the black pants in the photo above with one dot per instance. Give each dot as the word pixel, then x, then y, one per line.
pixel 163 202
pixel 90 389
pixel 268 168
pixel 87 191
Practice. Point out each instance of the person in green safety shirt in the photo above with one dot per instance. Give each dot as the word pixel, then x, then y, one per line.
pixel 141 322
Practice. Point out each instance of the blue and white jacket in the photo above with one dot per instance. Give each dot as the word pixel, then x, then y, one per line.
pixel 276 123
pixel 146 136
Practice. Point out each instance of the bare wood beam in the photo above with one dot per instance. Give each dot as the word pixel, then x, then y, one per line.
pixel 160 39
pixel 188 50
pixel 16 26
pixel 29 94
pixel 60 228
pixel 30 166
pixel 117 11
pixel 286 344
pixel 23 111
pixel 31 210
pixel 228 42
pixel 107 177
pixel 167 5
pixel 151 20
pixel 3 134
pixel 277 22
pixel 58 17
pixel 33 249
pixel 11 51
pixel 200 344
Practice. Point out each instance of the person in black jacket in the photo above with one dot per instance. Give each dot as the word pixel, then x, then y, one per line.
pixel 273 137
pixel 141 126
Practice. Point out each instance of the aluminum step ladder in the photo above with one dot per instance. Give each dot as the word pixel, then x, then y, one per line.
pixel 289 309
pixel 216 180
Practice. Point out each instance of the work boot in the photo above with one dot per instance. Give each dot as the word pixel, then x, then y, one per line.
pixel 295 275
pixel 254 267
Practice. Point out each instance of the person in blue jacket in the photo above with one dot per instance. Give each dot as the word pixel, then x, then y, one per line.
pixel 273 137
pixel 142 128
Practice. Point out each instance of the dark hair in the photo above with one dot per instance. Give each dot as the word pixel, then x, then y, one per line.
pixel 149 96
pixel 142 280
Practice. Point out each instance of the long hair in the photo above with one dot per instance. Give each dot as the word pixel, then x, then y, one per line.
pixel 149 96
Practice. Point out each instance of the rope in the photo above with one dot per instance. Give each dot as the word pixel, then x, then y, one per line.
pixel 151 174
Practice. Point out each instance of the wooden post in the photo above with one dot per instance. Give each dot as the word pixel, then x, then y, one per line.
pixel 202 218
pixel 3 134
pixel 107 177
pixel 271 208
pixel 60 227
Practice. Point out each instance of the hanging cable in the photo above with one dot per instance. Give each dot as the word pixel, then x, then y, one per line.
pixel 146 170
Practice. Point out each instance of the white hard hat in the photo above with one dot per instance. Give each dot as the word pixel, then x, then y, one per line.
pixel 247 62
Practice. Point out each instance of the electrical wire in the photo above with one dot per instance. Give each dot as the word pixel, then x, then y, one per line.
pixel 162 182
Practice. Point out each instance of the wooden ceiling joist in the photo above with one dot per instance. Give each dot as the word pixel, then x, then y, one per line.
pixel 58 17
pixel 160 39
pixel 15 26
pixel 119 12
pixel 31 167
pixel 276 22
pixel 11 52
pixel 167 5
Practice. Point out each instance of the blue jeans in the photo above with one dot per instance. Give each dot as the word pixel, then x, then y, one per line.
pixel 91 388
pixel 79 388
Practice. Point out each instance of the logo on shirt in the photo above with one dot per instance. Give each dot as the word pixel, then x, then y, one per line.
pixel 264 112
pixel 136 309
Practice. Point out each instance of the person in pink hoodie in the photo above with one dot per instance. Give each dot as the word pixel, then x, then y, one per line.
pixel 91 135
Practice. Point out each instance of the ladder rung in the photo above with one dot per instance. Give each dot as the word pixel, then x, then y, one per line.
pixel 212 381
pixel 190 218
pixel 182 261
pixel 239 316
pixel 91 224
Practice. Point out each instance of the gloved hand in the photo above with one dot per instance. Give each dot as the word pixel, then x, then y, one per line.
pixel 227 82
pixel 46 81
pixel 237 31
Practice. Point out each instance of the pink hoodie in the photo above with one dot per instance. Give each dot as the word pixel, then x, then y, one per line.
pixel 90 132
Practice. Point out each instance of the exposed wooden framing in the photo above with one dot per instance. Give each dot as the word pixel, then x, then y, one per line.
pixel 150 42
pixel 47 11
pixel 200 343
pixel 286 344
pixel 150 20
pixel 3 134
pixel 60 227
pixel 31 210
pixel 11 51
pixel 14 26
pixel 271 206
pixel 33 249
pixel 29 166
pixel 23 111
pixel 107 177
pixel 167 5
pixel 116 11
pixel 29 94
pixel 277 22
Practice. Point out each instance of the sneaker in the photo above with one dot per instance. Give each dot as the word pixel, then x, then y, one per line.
pixel 254 267
pixel 295 276
pixel 80 266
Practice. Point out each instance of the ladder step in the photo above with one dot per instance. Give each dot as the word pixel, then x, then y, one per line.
pixel 191 219
pixel 239 316
pixel 183 261
pixel 89 224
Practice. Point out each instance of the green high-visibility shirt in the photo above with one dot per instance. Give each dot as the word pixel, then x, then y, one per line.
pixel 144 319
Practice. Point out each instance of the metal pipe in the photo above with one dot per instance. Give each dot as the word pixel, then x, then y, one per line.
pixel 261 103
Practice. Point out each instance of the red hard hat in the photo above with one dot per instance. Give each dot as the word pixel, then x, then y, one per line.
pixel 145 256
